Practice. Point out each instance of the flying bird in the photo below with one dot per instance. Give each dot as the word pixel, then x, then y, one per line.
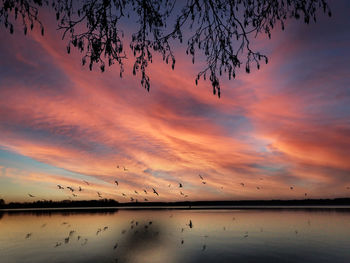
pixel 116 182
pixel 80 189
pixel 70 188
pixel 123 194
pixel 30 195
pixel 291 188
pixel 86 182
pixel 99 194
pixel 146 200
pixel 180 185
pixel 201 177
pixel 60 187
pixel 125 169
pixel 190 224
pixel 154 191
pixel 74 195
pixel 136 192
pixel 204 182
pixel 115 246
pixel 242 184
pixel 28 235
pixel 145 191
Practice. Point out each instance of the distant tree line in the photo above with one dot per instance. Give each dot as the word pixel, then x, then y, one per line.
pixel 105 203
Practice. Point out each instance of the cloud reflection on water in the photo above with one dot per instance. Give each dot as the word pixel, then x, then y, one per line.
pixel 134 236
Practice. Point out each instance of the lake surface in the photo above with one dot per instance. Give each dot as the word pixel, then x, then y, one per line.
pixel 166 236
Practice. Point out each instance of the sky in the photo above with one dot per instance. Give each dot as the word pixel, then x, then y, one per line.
pixel 285 125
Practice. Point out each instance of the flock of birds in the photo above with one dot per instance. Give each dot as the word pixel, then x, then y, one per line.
pixel 133 198
pixel 137 230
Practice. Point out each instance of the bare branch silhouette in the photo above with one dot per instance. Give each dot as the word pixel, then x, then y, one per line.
pixel 220 30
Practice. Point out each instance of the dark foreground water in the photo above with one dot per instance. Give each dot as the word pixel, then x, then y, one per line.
pixel 166 236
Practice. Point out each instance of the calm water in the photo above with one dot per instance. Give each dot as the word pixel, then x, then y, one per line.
pixel 166 236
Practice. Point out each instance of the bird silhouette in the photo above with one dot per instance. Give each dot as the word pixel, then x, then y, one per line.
pixel 58 244
pixel 258 187
pixel 105 228
pixel 99 194
pixel 242 184
pixel 74 195
pixel 70 188
pixel 146 200
pixel 145 191
pixel 136 192
pixel 204 182
pixel 190 224
pixel 180 185
pixel 98 231
pixel 116 182
pixel 60 187
pixel 115 246
pixel 154 191
pixel 291 188
pixel 86 182
pixel 28 235
pixel 125 169
pixel 80 189
pixel 66 240
pixel 201 177
pixel 30 195
pixel 123 194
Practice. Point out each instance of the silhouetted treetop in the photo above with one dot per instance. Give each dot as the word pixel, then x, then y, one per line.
pixel 219 30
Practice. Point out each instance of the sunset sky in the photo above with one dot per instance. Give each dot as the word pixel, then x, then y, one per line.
pixel 287 124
